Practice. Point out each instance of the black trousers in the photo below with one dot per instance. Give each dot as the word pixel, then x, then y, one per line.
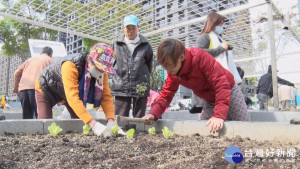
pixel 27 98
pixel 123 104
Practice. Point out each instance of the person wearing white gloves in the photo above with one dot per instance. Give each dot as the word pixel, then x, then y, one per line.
pixel 75 81
pixel 105 131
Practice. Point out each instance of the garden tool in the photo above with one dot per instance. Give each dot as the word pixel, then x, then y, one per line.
pixel 295 121
pixel 128 119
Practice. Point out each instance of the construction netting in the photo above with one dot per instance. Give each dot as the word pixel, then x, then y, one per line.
pixel 247 27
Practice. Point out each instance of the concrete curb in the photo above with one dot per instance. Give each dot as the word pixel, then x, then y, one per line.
pixel 258 116
pixel 22 126
pixel 280 131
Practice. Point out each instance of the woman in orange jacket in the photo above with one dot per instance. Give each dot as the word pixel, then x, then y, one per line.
pixel 77 80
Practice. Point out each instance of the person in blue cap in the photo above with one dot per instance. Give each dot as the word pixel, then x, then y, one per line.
pixel 133 66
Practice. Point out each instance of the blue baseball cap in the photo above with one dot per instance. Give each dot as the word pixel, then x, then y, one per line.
pixel 130 20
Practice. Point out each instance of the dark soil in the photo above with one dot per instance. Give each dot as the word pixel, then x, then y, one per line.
pixel 75 150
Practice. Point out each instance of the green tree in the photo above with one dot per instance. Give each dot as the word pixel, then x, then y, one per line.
pixel 156 82
pixel 88 43
pixel 252 80
pixel 14 35
pixel 97 18
pixel 8 39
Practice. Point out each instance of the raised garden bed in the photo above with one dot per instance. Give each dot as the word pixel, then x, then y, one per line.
pixel 75 150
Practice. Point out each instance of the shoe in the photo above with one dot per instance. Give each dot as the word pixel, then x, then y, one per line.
pixel 2 117
pixel 194 110
pixel 295 121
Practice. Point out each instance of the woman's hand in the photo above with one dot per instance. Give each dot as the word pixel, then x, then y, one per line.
pixel 110 120
pixel 16 91
pixel 91 123
pixel 225 45
pixel 215 124
pixel 150 119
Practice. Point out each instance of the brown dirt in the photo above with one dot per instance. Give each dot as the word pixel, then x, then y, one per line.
pixel 75 150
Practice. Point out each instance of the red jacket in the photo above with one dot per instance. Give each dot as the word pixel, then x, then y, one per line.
pixel 201 73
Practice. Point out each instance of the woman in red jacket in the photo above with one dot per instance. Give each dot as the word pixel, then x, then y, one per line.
pixel 197 70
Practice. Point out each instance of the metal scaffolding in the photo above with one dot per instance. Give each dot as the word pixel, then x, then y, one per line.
pixel 181 19
pixel 246 28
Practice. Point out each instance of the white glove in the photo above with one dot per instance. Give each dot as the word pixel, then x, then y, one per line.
pixel 121 132
pixel 107 131
pixel 109 126
pixel 98 128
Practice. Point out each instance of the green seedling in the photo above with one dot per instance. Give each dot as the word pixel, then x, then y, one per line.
pixel 130 134
pixel 141 88
pixel 54 129
pixel 151 131
pixel 115 130
pixel 86 128
pixel 167 133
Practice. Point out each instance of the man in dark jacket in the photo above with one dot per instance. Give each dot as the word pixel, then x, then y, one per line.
pixel 264 89
pixel 131 83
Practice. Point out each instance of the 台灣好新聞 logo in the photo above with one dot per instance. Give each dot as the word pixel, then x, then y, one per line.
pixel 233 155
